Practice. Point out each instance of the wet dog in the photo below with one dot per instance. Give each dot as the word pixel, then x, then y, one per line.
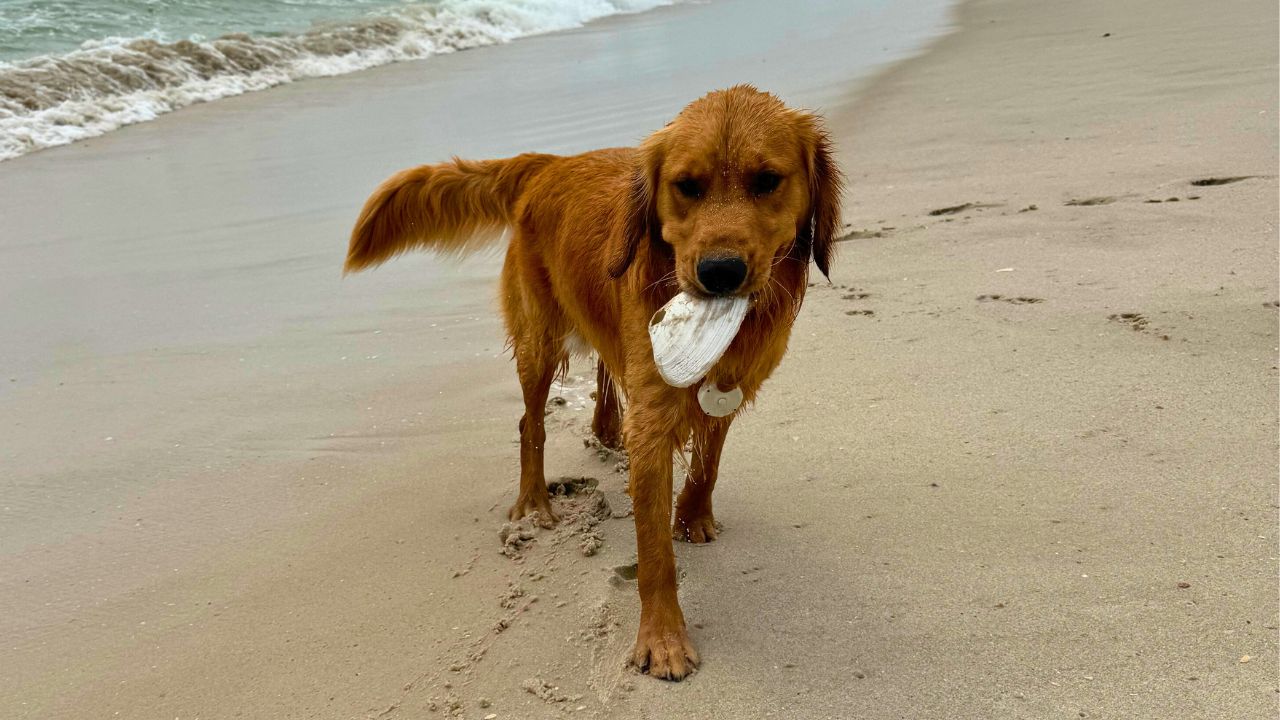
pixel 736 196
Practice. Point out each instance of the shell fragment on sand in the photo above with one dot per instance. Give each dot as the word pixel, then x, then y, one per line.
pixel 689 335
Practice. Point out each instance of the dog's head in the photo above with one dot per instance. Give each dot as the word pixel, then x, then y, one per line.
pixel 732 186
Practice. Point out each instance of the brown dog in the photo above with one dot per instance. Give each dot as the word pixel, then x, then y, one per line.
pixel 733 197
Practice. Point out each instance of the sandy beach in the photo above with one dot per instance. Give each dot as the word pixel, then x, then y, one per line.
pixel 1020 462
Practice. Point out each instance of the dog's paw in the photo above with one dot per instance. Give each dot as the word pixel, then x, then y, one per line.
pixel 540 504
pixel 697 529
pixel 664 652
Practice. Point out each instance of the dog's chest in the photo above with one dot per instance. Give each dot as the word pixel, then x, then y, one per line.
pixel 755 353
pixel 576 346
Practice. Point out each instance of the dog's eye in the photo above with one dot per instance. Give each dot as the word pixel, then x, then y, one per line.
pixel 765 183
pixel 689 188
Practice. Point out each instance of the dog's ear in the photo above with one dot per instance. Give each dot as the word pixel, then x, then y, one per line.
pixel 826 188
pixel 640 222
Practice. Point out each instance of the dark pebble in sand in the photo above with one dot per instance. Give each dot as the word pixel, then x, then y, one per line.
pixel 1184 585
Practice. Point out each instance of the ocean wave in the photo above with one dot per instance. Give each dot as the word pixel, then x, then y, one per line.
pixel 106 84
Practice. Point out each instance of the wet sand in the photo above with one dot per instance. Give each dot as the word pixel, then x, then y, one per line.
pixel 1020 461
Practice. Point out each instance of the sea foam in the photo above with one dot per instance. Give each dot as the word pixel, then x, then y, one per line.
pixel 106 84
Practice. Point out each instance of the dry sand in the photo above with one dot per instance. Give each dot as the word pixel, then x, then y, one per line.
pixel 1020 461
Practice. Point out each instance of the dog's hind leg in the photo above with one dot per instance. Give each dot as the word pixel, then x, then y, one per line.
pixel 695 522
pixel 606 424
pixel 537 360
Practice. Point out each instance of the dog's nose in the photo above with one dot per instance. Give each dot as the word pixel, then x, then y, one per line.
pixel 721 275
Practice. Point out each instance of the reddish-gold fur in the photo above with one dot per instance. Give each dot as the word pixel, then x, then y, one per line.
pixel 602 240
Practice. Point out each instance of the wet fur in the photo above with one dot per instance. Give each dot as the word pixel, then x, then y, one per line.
pixel 599 242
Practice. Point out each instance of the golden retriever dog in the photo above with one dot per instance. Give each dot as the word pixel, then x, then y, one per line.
pixel 734 197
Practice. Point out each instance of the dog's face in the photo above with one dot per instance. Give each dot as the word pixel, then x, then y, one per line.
pixel 735 184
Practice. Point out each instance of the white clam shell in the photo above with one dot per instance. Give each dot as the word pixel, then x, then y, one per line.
pixel 689 334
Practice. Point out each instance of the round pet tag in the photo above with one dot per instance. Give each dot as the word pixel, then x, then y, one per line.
pixel 719 403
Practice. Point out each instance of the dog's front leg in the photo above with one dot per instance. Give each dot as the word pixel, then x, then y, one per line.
pixel 653 428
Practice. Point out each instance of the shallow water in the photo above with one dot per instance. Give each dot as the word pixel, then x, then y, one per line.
pixel 73 69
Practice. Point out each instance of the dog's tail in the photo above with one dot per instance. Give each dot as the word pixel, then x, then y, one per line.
pixel 453 208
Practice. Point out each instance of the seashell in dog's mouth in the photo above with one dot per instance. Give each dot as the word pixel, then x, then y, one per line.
pixel 690 334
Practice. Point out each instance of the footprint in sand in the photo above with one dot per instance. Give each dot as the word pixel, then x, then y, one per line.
pixel 1085 202
pixel 855 294
pixel 624 575
pixel 547 691
pixel 1203 182
pixel 954 209
pixel 863 234
pixel 1019 300
pixel 581 507
pixel 1211 181
pixel 566 486
pixel 626 572
pixel 1137 322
